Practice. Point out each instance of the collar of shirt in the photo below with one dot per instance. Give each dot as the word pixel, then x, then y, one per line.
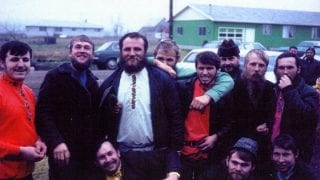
pixel 116 176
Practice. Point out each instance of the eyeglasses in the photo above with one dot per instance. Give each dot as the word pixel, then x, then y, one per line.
pixel 227 58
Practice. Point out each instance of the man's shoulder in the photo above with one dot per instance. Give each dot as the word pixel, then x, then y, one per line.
pixel 158 74
pixel 304 171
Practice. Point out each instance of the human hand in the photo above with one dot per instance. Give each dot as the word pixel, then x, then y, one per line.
pixel 61 154
pixel 284 82
pixel 208 142
pixel 117 108
pixel 262 128
pixel 200 102
pixel 30 153
pixel 165 67
pixel 41 147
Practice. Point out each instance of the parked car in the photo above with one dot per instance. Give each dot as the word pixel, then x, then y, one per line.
pixel 304 45
pixel 189 59
pixel 106 55
pixel 242 45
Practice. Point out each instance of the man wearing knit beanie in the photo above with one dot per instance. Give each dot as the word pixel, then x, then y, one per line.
pixel 230 58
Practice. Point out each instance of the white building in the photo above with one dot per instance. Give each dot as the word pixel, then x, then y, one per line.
pixel 62 29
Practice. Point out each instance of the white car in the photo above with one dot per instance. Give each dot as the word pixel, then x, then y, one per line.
pixel 189 59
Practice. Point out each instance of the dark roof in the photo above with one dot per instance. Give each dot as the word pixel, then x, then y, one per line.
pixel 255 15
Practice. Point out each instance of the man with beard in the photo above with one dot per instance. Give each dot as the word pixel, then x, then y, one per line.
pixel 64 112
pixel 297 104
pixel 310 67
pixel 254 102
pixel 285 161
pixel 240 163
pixel 20 146
pixel 204 130
pixel 230 58
pixel 108 160
pixel 149 126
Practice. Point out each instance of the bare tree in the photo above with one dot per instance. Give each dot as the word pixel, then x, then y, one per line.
pixel 11 31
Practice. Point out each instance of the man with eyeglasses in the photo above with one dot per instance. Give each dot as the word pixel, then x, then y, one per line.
pixel 20 146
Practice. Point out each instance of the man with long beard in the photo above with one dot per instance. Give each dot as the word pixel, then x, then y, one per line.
pixel 148 126
pixel 254 102
pixel 64 114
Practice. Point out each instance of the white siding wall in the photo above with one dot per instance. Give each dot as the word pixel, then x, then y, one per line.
pixel 35 31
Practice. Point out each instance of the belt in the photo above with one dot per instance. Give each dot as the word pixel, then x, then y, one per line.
pixel 191 143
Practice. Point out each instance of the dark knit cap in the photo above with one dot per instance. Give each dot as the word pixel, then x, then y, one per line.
pixel 228 49
pixel 247 144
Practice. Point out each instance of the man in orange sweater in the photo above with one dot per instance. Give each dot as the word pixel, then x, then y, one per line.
pixel 20 145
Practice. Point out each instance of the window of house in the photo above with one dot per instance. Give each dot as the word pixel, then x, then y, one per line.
pixel 288 32
pixel 180 30
pixel 230 33
pixel 42 28
pixel 266 29
pixel 58 29
pixel 202 31
pixel 315 33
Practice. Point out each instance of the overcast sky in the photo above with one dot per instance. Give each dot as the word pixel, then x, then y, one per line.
pixel 132 14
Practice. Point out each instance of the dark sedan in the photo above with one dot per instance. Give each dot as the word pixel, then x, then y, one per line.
pixel 106 55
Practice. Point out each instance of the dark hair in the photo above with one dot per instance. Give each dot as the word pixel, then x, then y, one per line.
pixel 311 49
pixel 16 48
pixel 135 35
pixel 293 47
pixel 208 57
pixel 99 142
pixel 286 142
pixel 83 38
pixel 167 44
pixel 244 155
pixel 285 55
pixel 228 48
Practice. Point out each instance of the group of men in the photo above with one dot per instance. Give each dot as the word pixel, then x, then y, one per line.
pixel 171 124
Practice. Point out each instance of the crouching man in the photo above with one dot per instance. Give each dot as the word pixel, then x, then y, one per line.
pixel 239 164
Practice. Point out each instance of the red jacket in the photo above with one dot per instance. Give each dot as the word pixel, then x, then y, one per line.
pixel 16 127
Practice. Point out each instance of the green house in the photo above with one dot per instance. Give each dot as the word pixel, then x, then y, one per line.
pixel 273 28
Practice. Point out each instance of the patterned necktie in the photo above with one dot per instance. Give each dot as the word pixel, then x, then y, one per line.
pixel 133 91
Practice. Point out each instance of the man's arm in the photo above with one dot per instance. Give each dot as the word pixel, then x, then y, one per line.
pixel 46 112
pixel 223 85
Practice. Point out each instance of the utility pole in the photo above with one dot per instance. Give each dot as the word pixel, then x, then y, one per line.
pixel 170 19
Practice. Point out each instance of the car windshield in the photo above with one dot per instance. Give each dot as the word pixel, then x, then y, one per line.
pixel 190 58
pixel 104 46
pixel 251 45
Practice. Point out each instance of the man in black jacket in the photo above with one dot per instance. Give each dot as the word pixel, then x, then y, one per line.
pixel 253 102
pixel 297 104
pixel 64 113
pixel 205 129
pixel 285 161
pixel 147 123
pixel 310 67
